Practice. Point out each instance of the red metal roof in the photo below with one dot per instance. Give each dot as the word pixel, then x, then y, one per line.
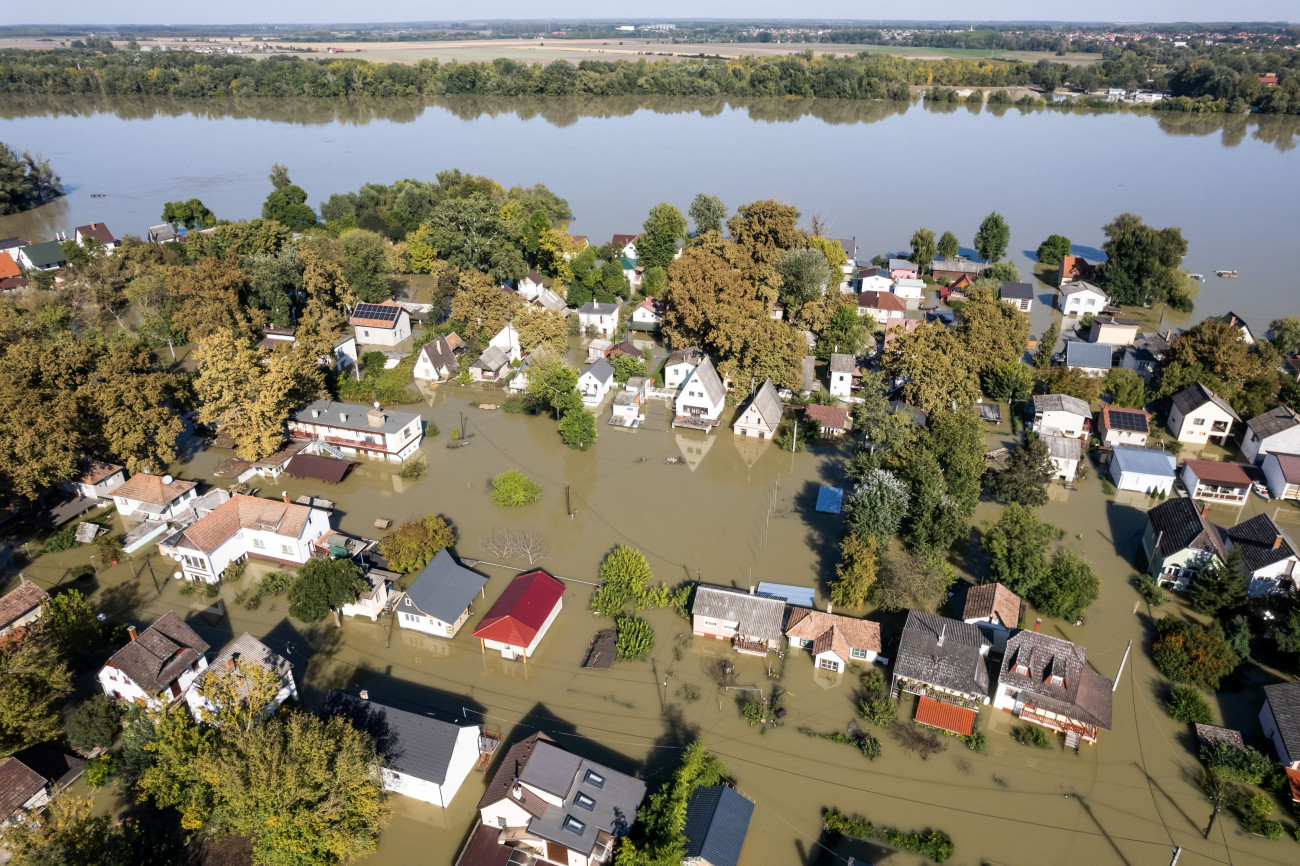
pixel 1220 473
pixel 521 610
pixel 947 717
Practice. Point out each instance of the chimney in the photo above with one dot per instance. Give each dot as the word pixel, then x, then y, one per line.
pixel 830 607
pixel 285 494
pixel 343 417
pixel 230 664
pixel 365 695
pixel 1277 542
pixel 1037 624
pixel 130 630
pixel 315 413
pixel 376 418
pixel 751 589
pixel 942 630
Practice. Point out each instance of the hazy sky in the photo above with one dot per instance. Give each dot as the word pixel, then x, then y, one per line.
pixel 300 11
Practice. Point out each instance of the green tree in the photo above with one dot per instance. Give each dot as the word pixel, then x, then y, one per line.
pixel 94 723
pixel 480 304
pixel 707 212
pixel 994 331
pixel 324 586
pixel 949 246
pixel 923 248
pixel 876 507
pixel 411 546
pixel 936 519
pixel 1192 653
pixel 958 442
pixel 1220 589
pixel 661 231
pixel 1025 477
pixel 662 817
pixel 635 638
pixel 875 703
pixel 1001 272
pixel 578 428
pixel 833 250
pixel 805 276
pixel 627 366
pixel 625 576
pixel 910 582
pixel 1047 346
pixel 288 206
pixel 1185 704
pixel 65 832
pixel 34 680
pixel 1285 334
pixel 992 238
pixel 845 333
pixel 1125 388
pixel 1068 587
pixel 1053 250
pixel 1017 548
pixel 192 214
pixel 513 489
pixel 1010 380
pixel 935 367
pixel 68 624
pixel 366 264
pixel 1142 263
pixel 855 574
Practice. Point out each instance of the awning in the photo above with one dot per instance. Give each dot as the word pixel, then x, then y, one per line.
pixel 945 717
pixel 328 469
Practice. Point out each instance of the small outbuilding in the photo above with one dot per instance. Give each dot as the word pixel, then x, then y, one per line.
pixel 1146 470
pixel 519 619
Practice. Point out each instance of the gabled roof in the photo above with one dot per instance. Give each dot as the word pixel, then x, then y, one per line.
pixel 767 403
pixel 1075 268
pixel 651 305
pixel 414 741
pixel 1178 524
pixel 1016 291
pixel 97 231
pixel 1094 356
pixel 843 363
pixel 829 631
pixel 442 355
pixel 1032 663
pixel 1063 448
pixel 1220 472
pixel 717 819
pixel 160 653
pixel 328 413
pixel 1077 286
pixel 533 277
pixel 1272 422
pixel 901 265
pixel 20 601
pixel 758 616
pixel 8 267
pixel 95 471
pixel 1195 396
pixel 942 652
pixel 995 601
pixel 872 300
pixel 958 266
pixel 44 255
pixel 1261 542
pixel 591 308
pixel 867 273
pixel 833 417
pixel 1284 699
pixel 601 371
pixel 624 240
pixel 1061 403
pixel 444 588
pixel 1289 464
pixel 707 377
pixel 517 616
pixel 1145 461
pixel 385 315
pixel 247 648
pixel 150 489
pixel 18 784
pixel 492 359
pixel 1128 420
pixel 285 519
pixel 692 355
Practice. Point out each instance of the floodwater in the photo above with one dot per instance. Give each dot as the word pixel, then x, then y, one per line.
pixel 736 513
pixel 872 170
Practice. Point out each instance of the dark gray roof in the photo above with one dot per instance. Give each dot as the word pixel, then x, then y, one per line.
pixel 1210 735
pixel 942 652
pixel 1261 542
pixel 1155 343
pixel 768 403
pixel 707 376
pixel 758 616
pixel 358 417
pixel 1017 291
pixel 900 265
pixel 596 798
pixel 1097 356
pixel 444 588
pixel 1195 396
pixel 1284 699
pixel 849 245
pixel 1178 525
pixel 692 355
pixel 492 359
pixel 160 653
pixel 442 356
pixel 414 742
pixel 843 363
pixel 551 768
pixel 1032 659
pixel 592 308
pixel 1061 403
pixel 1272 422
pixel 601 371
pixel 717 819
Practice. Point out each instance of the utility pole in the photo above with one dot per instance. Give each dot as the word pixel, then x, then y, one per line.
pixel 1178 851
pixel 1122 662
pixel 568 505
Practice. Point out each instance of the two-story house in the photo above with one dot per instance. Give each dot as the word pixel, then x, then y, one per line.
pixel 243 650
pixel 1269 558
pixel 438 360
pixel 1080 298
pixel 596 382
pixel 761 416
pixel 154 497
pixel 1060 414
pixel 97 479
pixel 902 269
pixel 943 662
pixel 1044 680
pixel 1278 429
pixel 885 308
pixel 843 369
pixel 602 317
pixel 1198 415
pixel 242 527
pixel 353 429
pixel 158 666
pixel 96 234
pixel 438 601
pixel 681 364
pixel 1180 542
pixel 385 324
pixel 700 399
pixel 625 245
pixel 1117 425
pixel 874 280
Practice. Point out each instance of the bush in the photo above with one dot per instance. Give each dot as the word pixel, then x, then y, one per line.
pixel 100 770
pixel 412 470
pixel 1237 765
pixel 1274 830
pixel 636 638
pixel 1261 806
pixel 624 578
pixel 874 703
pixel 1185 704
pixel 934 844
pixel 1032 735
pixel 517 404
pixel 1107 488
pixel 187 588
pixel 211 590
pixel 235 571
pixel 513 489
pixel 1150 590
pixel 578 429
pixel 753 709
pixel 1192 653
pixel 977 741
pixel 93 724
pixel 64 539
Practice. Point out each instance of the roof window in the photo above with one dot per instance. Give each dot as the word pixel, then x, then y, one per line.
pixel 594 779
pixel 573 825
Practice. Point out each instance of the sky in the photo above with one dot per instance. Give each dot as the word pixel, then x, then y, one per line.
pixel 332 11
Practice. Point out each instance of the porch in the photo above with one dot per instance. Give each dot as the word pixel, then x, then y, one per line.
pixel 1054 722
pixel 751 647
pixel 694 422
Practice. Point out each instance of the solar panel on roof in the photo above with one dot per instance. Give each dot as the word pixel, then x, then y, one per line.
pixel 1127 420
pixel 382 312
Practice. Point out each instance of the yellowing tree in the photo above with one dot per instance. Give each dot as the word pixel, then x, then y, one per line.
pixel 238 697
pixel 480 304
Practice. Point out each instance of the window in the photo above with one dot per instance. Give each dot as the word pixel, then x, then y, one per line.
pixel 585 802
pixel 259 543
pixel 858 653
pixel 573 825
pixel 408 602
pixel 594 779
pixel 1198 422
pixel 828 665
pixel 286 548
pixel 1023 670
pixel 365 333
pixel 1056 680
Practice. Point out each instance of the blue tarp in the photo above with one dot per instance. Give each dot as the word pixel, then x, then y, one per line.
pixel 829 499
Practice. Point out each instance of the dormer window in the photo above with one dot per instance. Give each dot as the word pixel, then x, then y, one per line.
pixel 1022 669
pixel 573 825
pixel 594 779
pixel 1056 680
pixel 584 802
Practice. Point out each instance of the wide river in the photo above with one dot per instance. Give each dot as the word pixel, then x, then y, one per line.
pixel 872 170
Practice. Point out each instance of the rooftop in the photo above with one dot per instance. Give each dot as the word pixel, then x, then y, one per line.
pixel 444 588
pixel 830 631
pixel 1274 421
pixel 1220 473
pixel 591 308
pixel 1284 699
pixel 1061 403
pixel 160 653
pixel 943 652
pixel 993 601
pixel 767 403
pixel 758 616
pixel 717 819
pixel 1178 524
pixel 285 519
pixel 152 490
pixel 843 363
pixel 20 601
pixel 831 417
pixel 1261 542
pixel 351 416
pixel 1076 286
pixel 1145 461
pixel 1290 466
pixel 871 300
pixel 519 613
pixel 1128 420
pixel 901 265
pixel 249 649
pixel 1063 448
pixel 706 376
pixel 1049 673
pixel 1016 291
pixel 1195 396
pixel 414 741
pixel 1094 356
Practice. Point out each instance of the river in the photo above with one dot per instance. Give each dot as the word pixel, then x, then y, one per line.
pixel 871 170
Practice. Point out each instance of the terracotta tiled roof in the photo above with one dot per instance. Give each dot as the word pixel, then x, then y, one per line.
pixel 834 417
pixel 993 600
pixel 829 631
pixel 946 717
pixel 143 487
pixel 8 267
pixel 19 601
pixel 244 512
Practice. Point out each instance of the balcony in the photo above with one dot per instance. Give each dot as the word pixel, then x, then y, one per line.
pixel 1055 722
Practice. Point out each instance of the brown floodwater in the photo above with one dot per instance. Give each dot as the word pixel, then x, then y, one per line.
pixel 738 512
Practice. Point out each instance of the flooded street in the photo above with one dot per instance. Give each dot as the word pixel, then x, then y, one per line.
pixel 738 512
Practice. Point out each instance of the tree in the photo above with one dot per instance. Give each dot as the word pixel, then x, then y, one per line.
pixel 923 248
pixel 1068 587
pixel 805 275
pixel 625 576
pixel 765 229
pixel 1125 388
pixel 1025 477
pixel 876 507
pixel 1070 381
pixel 708 301
pixel 93 724
pixel 992 237
pixel 1142 264
pixel 1010 380
pixel 1219 349
pixel 471 235
pixel 1185 704
pixel 707 212
pixel 366 264
pixel 935 367
pixel 65 832
pixel 1285 334
pixel 1001 272
pixel 553 384
pixel 994 331
pixel 908 582
pixel 68 624
pixel 627 366
pixel 192 214
pixel 513 489
pixel 279 176
pixel 135 403
pixel 875 703
pixel 957 440
pixel 845 332
pixel 411 546
pixel 661 231
pixel 662 817
pixel 635 639
pixel 1053 250
pixel 833 250
pixel 578 429
pixel 274 283
pixel 949 246
pixel 935 518
pixel 33 683
pixel 1220 590
pixel 238 697
pixel 481 305
pixel 323 586
pixel 1017 548
pixel 1191 653
pixel 855 575
pixel 288 206
pixel 1047 346
pixel 539 328
pixel 176 771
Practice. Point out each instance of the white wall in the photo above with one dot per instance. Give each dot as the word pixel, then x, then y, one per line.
pixel 841 384
pixel 114 682
pixel 1285 442
pixel 1269 725
pixel 1067 424
pixel 676 374
pixel 1139 481
pixel 1277 486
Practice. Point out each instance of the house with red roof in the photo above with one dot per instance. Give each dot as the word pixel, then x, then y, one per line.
pixel 518 620
pixel 626 245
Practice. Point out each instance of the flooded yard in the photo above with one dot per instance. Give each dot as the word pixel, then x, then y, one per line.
pixel 737 512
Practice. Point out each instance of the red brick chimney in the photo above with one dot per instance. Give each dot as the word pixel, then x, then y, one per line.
pixel 1277 542
pixel 130 630
pixel 285 494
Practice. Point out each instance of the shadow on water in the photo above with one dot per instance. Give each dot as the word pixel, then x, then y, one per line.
pixel 1158 788
pixel 1126 527
pixel 1101 829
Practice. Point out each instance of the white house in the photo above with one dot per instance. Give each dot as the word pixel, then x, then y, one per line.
pixel 245 526
pixel 427 755
pixel 1198 415
pixel 355 429
pixel 21 605
pixel 1018 295
pixel 1065 454
pixel 96 233
pixel 1280 720
pixel 345 349
pixel 626 245
pixel 595 382
pixel 910 290
pixel 1282 472
pixel 1120 426
pixel 1113 331
pixel 154 497
pixel 602 317
pixel 491 366
pixel 98 479
pixel 1233 320
pixel 519 381
pixel 529 286
pixel 1217 481
pixel 753 623
pixel 437 360
pixel 1061 414
pixel 546 804
pixel 158 666
pixel 842 370
pixel 648 315
pixel 834 640
pixel 1146 470
pixel 1268 556
pixel 520 618
pixel 680 365
pixel 385 324
pixel 507 340
pixel 1080 297
pixel 1045 680
pixel 1179 542
pixel 248 650
pixel 1095 359
pixel 885 308
pixel 700 399
pixel 995 611
pixel 438 601
pixel 1276 430
pixel 874 280
pixel 761 416
pixel 372 602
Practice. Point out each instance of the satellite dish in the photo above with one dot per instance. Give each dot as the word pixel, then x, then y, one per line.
pixel 376 404
pixel 167 479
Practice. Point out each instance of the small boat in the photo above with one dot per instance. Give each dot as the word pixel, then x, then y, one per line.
pixel 1197 276
pixel 1227 275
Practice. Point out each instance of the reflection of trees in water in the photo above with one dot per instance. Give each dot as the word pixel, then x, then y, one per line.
pixel 1277 130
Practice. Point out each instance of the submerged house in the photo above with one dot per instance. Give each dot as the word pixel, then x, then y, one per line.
pixel 761 416
pixel 833 640
pixel 1179 542
pixel 944 663
pixel 1198 415
pixel 1268 556
pixel 21 605
pixel 1044 680
pixel 438 601
pixel 519 619
pixel 353 429
pixel 717 820
pixel 751 622
pixel 995 610
pixel 700 398
pixel 242 527
pixel 158 666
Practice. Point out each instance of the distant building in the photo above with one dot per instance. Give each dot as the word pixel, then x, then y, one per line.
pixel 384 324
pixel 96 233
pixel 1019 295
